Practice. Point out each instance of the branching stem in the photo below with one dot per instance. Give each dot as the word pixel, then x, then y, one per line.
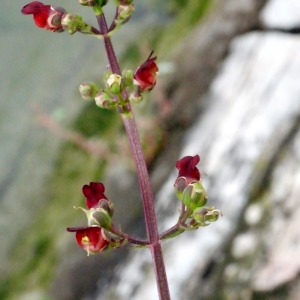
pixel 142 173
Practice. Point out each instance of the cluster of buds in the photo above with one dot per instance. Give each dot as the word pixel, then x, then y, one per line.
pixel 95 237
pixel 122 89
pixel 56 19
pixel 190 191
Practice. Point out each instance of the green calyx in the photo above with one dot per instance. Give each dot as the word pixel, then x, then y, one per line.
pixel 205 215
pixel 114 84
pixel 100 217
pixel 104 100
pixel 194 195
pixel 74 23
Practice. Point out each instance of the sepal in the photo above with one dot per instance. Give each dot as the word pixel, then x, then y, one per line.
pixel 194 196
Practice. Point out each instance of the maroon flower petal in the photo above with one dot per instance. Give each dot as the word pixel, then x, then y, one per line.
pixel 187 168
pixel 93 193
pixel 32 8
pixel 146 74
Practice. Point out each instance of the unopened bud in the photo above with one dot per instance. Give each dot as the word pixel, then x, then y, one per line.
pixel 205 215
pixel 127 76
pixel 103 100
pixel 114 82
pixel 72 23
pixel 194 195
pixel 124 13
pixel 88 90
pixel 199 216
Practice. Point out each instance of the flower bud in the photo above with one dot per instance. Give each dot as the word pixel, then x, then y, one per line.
pixel 88 90
pixel 199 216
pixel 205 215
pixel 124 13
pixel 72 23
pixel 114 82
pixel 127 76
pixel 145 75
pixel 103 100
pixel 194 195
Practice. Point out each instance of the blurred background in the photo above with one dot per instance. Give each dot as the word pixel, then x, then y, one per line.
pixel 228 90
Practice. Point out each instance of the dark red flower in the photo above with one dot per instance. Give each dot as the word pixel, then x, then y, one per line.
pixel 91 239
pixel 93 193
pixel 187 168
pixel 146 73
pixel 45 16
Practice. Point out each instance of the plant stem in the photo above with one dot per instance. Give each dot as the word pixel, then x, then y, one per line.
pixel 143 176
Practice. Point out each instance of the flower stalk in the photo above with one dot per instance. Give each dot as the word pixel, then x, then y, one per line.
pixel 142 173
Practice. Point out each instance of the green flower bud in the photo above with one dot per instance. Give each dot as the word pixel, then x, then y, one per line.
pixel 194 195
pixel 88 90
pixel 205 215
pixel 114 82
pixel 72 23
pixel 127 76
pixel 100 217
pixel 124 13
pixel 213 215
pixel 199 216
pixel 104 100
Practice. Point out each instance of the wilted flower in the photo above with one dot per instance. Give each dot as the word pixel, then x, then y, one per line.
pixel 91 239
pixel 45 16
pixel 145 75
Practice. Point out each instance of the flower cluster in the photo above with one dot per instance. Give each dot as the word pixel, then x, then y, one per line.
pixel 94 237
pixel 190 191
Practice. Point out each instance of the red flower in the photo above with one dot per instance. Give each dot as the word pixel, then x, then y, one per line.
pixel 187 168
pixel 93 193
pixel 45 16
pixel 145 75
pixel 91 239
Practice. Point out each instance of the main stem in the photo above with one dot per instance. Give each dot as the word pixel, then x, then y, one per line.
pixel 143 176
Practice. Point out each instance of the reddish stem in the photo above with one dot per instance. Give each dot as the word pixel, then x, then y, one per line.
pixel 143 176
